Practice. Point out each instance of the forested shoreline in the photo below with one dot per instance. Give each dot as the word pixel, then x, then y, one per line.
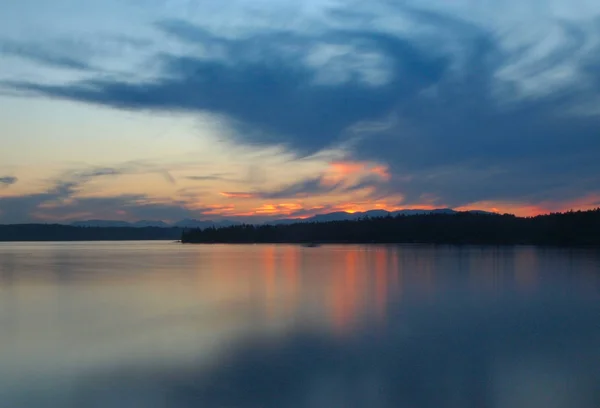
pixel 56 232
pixel 573 228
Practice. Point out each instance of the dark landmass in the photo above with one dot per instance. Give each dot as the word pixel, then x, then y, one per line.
pixel 344 216
pixel 193 223
pixel 53 232
pixel 188 223
pixel 580 228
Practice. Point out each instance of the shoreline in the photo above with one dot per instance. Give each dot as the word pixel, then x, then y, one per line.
pixel 437 244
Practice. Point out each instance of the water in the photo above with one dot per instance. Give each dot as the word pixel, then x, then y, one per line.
pixel 159 324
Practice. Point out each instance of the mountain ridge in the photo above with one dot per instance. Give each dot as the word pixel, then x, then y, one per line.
pixel 333 216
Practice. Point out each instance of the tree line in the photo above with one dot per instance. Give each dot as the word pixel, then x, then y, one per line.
pixel 572 228
pixel 55 232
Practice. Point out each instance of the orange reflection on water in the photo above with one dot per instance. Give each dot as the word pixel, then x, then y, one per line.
pixel 221 277
pixel 396 272
pixel 338 287
pixel 291 268
pixel 344 290
pixel 381 283
pixel 268 254
pixel 525 266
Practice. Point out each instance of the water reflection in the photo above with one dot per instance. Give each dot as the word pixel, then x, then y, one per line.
pixel 163 325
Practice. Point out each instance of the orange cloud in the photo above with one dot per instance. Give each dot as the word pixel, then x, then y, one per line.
pixel 273 209
pixel 352 208
pixel 347 168
pixel 381 171
pixel 529 210
pixel 287 209
pixel 339 171
pixel 504 208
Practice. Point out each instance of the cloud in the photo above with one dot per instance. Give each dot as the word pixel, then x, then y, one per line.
pixel 305 188
pixel 367 182
pixel 127 207
pixel 474 118
pixel 237 194
pixel 59 56
pixel 210 177
pixel 310 187
pixel 8 180
pixel 19 209
pixel 274 97
pixel 71 181
pixel 339 177
pixel 62 200
pixel 23 208
pixel 80 176
pixel 60 203
pixel 168 177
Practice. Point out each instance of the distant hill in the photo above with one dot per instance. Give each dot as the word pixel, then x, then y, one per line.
pixel 344 216
pixel 101 224
pixel 147 223
pixel 193 223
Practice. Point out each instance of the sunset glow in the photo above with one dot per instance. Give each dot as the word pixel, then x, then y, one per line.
pixel 318 116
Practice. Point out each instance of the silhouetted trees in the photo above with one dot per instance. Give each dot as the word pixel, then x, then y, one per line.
pixel 46 232
pixel 570 228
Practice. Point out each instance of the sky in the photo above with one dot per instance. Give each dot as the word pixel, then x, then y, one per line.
pixel 261 109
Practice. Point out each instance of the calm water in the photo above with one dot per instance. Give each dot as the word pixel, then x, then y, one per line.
pixel 160 324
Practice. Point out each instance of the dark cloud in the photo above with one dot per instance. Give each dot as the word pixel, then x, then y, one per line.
pixel 69 182
pixel 60 201
pixel 20 209
pixel 310 187
pixel 168 177
pixel 304 188
pixel 28 208
pixel 131 207
pixel 273 98
pixel 82 176
pixel 446 124
pixel 50 56
pixel 8 180
pixel 73 53
pixel 98 172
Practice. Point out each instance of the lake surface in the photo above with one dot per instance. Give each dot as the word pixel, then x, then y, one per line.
pixel 159 324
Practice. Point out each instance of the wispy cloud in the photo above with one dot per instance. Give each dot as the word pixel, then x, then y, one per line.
pixel 62 203
pixel 60 57
pixel 305 188
pixel 237 194
pixel 62 200
pixel 210 177
pixel 8 180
